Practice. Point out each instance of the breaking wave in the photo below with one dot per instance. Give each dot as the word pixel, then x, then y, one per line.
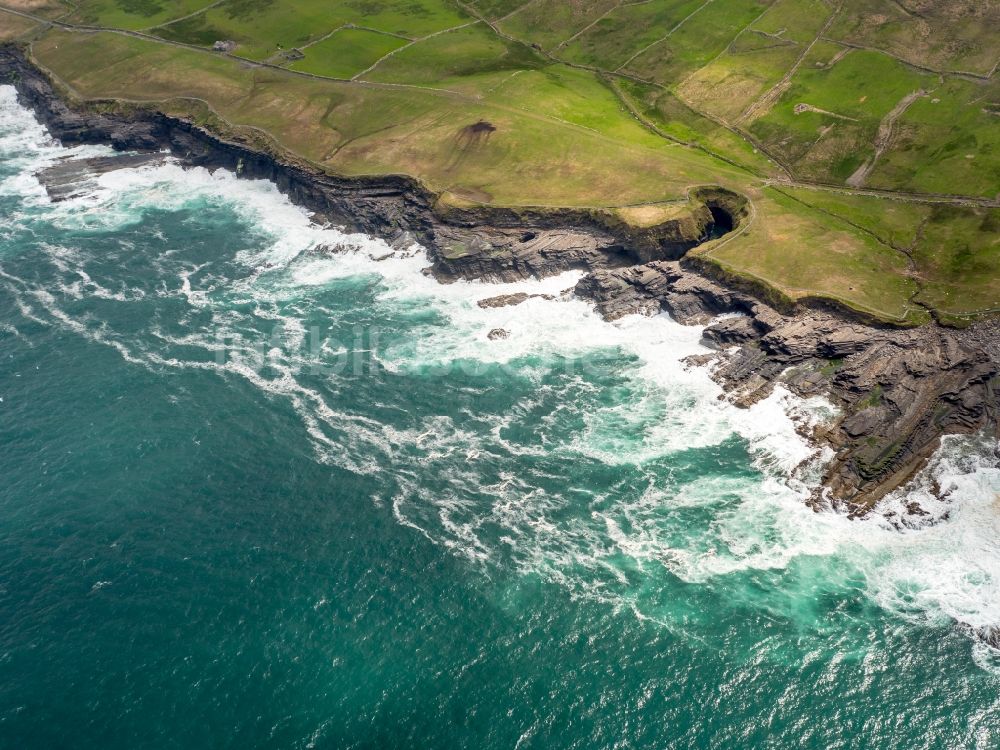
pixel 611 465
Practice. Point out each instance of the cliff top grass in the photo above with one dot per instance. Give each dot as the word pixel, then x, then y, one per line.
pixel 867 139
pixel 14 27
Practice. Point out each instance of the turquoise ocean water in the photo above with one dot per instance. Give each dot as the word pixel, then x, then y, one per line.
pixel 260 495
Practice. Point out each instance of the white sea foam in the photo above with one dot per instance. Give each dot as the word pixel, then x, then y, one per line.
pixel 27 146
pixel 941 568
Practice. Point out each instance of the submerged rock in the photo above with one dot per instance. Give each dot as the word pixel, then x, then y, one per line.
pixel 503 300
pixel 509 300
pixel 69 178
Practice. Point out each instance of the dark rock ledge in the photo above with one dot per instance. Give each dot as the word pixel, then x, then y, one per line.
pixel 899 390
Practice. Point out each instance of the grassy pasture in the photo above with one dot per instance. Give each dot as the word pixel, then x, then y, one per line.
pixel 944 35
pixel 703 35
pixel 955 249
pixel 730 83
pixel 794 20
pixel 947 142
pixel 896 223
pixel 574 96
pixel 958 257
pixel 468 51
pixel 548 23
pixel 494 9
pixel 626 31
pixel 264 27
pixel 133 14
pixel 531 159
pixel 849 99
pixel 12 27
pixel 814 254
pixel 346 52
pixel 670 115
pixel 756 60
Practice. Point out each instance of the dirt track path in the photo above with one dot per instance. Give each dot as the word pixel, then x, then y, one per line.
pixel 886 130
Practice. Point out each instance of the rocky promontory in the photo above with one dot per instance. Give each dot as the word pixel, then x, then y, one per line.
pixel 898 390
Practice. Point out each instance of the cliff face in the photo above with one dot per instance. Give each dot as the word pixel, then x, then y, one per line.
pixel 899 390
pixel 479 242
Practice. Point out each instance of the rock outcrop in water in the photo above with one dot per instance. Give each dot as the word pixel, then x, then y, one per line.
pixel 70 178
pixel 899 390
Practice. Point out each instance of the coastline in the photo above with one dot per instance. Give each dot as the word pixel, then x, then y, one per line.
pixel 898 390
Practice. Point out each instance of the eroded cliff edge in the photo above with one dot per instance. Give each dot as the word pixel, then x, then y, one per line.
pixel 898 390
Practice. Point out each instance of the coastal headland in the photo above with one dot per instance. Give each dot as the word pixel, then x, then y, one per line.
pixel 862 282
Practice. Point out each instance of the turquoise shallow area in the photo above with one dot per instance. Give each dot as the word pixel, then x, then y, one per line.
pixel 258 495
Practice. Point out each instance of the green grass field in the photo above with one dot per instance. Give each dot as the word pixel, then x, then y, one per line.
pixel 346 52
pixel 948 141
pixel 873 275
pixel 133 14
pixel 263 28
pixel 756 60
pixel 796 21
pixel 959 35
pixel 548 23
pixel 612 106
pixel 467 52
pixel 626 31
pixel 830 142
pixel 696 40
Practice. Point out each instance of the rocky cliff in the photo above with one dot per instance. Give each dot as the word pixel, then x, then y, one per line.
pixel 898 390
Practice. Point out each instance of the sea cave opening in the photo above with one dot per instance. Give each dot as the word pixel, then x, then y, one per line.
pixel 722 223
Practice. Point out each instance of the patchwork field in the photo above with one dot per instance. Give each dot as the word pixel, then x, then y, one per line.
pixel 865 134
pixel 957 35
pixel 132 14
pixel 346 52
pixel 264 28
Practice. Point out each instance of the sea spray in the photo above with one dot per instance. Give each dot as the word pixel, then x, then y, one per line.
pixel 668 407
pixel 317 468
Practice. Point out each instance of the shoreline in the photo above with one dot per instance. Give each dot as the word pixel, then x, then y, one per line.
pixel 898 389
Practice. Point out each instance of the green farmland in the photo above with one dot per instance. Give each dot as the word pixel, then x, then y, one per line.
pixel 867 138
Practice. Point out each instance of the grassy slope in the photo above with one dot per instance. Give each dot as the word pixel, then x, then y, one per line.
pixel 957 35
pixel 265 27
pixel 346 52
pixel 468 52
pixel 363 129
pixel 947 141
pixel 954 250
pixel 756 60
pixel 872 276
pixel 696 39
pixel 719 75
pixel 12 27
pixel 133 14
